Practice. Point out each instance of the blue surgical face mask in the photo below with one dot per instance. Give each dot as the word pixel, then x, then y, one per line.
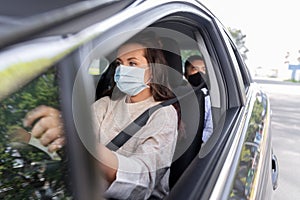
pixel 130 80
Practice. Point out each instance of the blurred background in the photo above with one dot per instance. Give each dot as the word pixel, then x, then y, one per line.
pixel 268 36
pixel 271 33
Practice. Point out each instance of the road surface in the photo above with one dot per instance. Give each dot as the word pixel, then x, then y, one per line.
pixel 285 105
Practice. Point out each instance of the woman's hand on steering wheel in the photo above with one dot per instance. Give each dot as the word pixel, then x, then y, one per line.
pixel 47 126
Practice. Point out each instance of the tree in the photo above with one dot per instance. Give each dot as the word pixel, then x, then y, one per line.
pixel 239 39
pixel 26 172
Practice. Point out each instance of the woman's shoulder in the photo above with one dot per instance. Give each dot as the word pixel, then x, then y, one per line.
pixel 104 101
pixel 167 112
pixel 107 103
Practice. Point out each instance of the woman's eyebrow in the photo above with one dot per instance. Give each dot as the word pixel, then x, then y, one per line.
pixel 132 58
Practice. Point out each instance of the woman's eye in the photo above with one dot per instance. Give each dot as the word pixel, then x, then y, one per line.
pixel 132 64
pixel 118 63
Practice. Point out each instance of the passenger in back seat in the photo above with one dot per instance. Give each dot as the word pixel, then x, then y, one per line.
pixel 195 69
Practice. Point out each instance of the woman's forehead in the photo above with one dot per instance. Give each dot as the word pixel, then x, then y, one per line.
pixel 197 63
pixel 131 49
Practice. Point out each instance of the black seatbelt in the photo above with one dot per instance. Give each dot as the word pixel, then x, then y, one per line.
pixel 135 126
pixel 120 139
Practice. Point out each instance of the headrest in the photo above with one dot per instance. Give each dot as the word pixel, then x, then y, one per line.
pixel 172 54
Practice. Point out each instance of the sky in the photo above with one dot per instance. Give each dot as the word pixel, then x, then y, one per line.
pixel 272 28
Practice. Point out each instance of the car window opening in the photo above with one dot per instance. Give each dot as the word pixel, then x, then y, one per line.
pixel 188 146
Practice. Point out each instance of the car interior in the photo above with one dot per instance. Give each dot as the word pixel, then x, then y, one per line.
pixel 179 39
pixel 178 42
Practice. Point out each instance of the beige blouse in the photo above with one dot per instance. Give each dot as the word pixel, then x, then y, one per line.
pixel 144 160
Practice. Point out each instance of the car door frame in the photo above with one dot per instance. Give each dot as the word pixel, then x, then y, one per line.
pixel 228 147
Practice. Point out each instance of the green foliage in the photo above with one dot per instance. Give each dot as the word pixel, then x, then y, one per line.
pixel 25 171
pixel 42 91
pixel 249 158
pixel 187 53
pixel 239 40
pixel 292 80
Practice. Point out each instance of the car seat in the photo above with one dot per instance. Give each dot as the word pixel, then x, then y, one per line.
pixel 190 139
pixel 172 55
pixel 106 82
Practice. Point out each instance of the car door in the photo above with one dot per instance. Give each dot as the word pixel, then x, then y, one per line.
pixel 37 70
pixel 76 43
pixel 237 161
pixel 256 155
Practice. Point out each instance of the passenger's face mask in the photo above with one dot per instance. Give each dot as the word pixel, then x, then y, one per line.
pixel 195 79
pixel 130 80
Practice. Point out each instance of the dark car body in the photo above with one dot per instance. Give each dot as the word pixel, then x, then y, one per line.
pixel 45 56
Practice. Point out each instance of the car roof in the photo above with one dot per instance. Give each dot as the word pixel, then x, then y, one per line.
pixel 20 19
pixel 27 8
pixel 39 25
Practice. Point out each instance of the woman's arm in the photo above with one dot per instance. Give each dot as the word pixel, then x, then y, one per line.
pixel 108 163
pixel 47 125
pixel 144 160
